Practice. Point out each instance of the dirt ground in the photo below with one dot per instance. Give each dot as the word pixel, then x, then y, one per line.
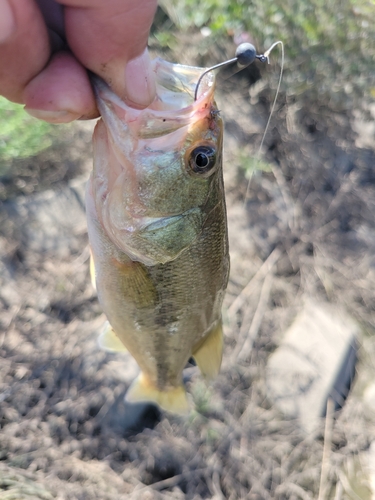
pixel 306 229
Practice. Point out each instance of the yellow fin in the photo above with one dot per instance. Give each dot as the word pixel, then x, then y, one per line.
pixel 109 341
pixel 173 400
pixel 92 271
pixel 209 352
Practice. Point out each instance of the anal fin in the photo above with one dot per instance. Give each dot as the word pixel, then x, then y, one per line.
pixel 209 352
pixel 173 399
pixel 109 341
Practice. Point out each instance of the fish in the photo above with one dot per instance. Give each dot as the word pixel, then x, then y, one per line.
pixel 157 230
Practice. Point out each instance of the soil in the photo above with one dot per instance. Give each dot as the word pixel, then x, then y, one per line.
pixel 304 227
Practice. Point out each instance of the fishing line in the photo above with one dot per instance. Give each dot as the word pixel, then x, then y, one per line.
pixel 266 55
pixel 244 56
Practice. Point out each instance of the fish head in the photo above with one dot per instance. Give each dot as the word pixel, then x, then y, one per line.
pixel 156 170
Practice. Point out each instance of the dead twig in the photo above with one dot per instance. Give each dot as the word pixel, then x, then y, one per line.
pixel 290 206
pixel 264 269
pixel 216 485
pixel 323 487
pixel 289 488
pixel 247 336
pixel 339 491
pixel 170 482
pixel 346 485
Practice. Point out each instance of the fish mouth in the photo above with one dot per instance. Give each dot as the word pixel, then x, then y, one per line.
pixel 173 107
pixel 176 86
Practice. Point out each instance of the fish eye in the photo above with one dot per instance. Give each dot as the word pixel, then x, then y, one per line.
pixel 202 159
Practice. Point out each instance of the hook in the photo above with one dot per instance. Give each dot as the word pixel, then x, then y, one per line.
pixel 245 55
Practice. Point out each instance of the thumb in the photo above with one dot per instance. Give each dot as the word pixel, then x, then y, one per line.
pixel 109 37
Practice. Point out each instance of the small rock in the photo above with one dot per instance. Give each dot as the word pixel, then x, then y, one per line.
pixel 315 361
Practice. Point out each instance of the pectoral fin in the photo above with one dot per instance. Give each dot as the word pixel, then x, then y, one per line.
pixel 108 340
pixel 173 400
pixel 163 240
pixel 209 352
pixel 137 287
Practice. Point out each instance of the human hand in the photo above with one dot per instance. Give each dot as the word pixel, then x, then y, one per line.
pixel 46 46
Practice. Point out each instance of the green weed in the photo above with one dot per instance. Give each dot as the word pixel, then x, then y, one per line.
pixel 20 134
pixel 250 165
pixel 329 44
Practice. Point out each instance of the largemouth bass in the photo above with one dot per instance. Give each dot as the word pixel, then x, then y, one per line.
pixel 157 230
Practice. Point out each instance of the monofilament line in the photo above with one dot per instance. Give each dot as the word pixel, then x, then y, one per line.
pixel 245 55
pixel 266 54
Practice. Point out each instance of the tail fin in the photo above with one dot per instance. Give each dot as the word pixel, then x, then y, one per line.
pixel 173 400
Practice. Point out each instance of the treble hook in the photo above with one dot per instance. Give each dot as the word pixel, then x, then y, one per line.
pixel 245 55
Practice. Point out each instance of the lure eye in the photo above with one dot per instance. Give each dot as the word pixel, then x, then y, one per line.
pixel 202 159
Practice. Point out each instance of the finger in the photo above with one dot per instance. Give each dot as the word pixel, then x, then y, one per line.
pixel 53 14
pixel 110 38
pixel 61 92
pixel 24 46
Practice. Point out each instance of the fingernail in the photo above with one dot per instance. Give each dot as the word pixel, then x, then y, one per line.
pixel 140 81
pixel 53 116
pixel 7 21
